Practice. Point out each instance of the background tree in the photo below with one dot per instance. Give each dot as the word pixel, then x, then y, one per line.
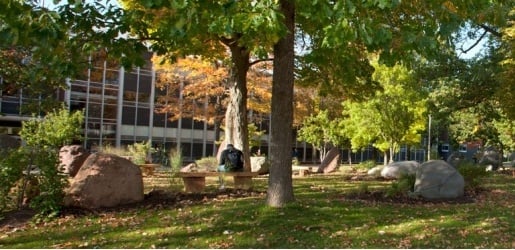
pixel 197 89
pixel 323 132
pixel 41 47
pixel 482 123
pixel 305 103
pixel 316 130
pixel 394 116
pixel 469 96
pixel 193 88
pixel 506 90
pixel 506 128
pixel 245 29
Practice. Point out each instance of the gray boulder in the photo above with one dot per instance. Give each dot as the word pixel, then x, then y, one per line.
pixel 256 162
pixel 491 159
pixel 395 170
pixel 375 171
pixel 437 179
pixel 105 180
pixel 259 164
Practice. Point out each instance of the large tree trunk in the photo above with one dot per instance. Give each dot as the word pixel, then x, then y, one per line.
pixel 236 130
pixel 280 185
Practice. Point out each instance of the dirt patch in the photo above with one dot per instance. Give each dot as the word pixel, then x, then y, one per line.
pixel 16 219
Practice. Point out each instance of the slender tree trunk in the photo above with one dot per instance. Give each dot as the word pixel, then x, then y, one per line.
pixel 385 158
pixel 236 131
pixel 349 155
pixel 280 184
pixel 393 149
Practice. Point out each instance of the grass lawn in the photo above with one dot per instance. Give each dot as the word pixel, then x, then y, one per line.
pixel 324 215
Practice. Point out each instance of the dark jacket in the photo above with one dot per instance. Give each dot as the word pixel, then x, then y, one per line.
pixel 236 162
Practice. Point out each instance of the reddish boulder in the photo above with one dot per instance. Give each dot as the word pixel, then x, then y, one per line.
pixel 105 180
pixel 331 161
pixel 71 158
pixel 192 167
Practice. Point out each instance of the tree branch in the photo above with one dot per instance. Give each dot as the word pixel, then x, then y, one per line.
pixel 260 60
pixel 491 30
pixel 475 43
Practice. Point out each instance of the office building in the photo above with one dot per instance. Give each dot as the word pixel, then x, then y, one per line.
pixel 118 105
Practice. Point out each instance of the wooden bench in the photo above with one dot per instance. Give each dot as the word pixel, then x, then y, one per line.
pixel 302 170
pixel 195 182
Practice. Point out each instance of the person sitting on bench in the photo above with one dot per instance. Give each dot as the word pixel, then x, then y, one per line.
pixel 231 160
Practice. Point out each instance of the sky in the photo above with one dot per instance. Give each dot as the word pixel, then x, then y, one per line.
pixel 474 51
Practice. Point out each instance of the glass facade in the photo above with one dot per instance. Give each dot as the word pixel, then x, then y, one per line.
pixel 118 106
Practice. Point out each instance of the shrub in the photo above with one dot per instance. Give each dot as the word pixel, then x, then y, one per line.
pixel 175 159
pixel 175 165
pixel 51 183
pixel 472 173
pixel 139 152
pixel 403 186
pixel 11 169
pixel 366 165
pixel 108 149
pixel 57 129
pixel 43 139
pixel 209 164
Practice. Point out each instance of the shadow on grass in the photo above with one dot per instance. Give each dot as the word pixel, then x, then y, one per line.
pixel 324 215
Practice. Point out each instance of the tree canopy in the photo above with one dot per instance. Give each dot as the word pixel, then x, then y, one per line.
pixel 394 116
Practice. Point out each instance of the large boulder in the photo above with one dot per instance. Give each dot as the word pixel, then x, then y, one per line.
pixel 395 170
pixel 437 179
pixel 105 180
pixel 331 161
pixel 71 158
